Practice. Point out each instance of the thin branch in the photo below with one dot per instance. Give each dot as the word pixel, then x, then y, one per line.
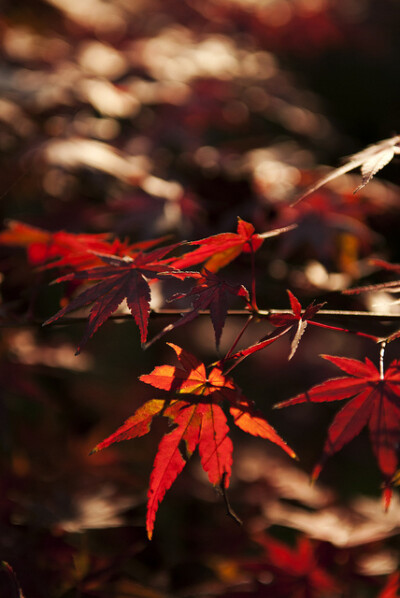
pixel 163 313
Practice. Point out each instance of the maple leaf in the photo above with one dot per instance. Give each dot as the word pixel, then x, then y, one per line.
pixel 210 292
pixel 331 227
pixel 296 570
pixel 392 286
pixel 43 246
pixel 300 319
pixel 371 160
pixel 198 420
pixel 392 587
pixel 84 257
pixel 219 250
pixel 375 402
pixel 192 378
pixel 121 278
pixel 68 250
pixel 297 319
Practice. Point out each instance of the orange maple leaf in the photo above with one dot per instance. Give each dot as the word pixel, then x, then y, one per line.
pixel 199 421
pixel 219 250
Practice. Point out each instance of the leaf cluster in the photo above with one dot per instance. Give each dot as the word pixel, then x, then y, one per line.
pixel 118 272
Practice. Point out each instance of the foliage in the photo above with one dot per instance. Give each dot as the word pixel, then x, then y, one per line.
pixel 161 166
pixel 375 402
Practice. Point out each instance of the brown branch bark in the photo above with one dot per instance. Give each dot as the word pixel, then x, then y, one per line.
pixel 164 313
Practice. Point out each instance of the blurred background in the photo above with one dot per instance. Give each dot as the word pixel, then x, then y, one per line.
pixel 174 117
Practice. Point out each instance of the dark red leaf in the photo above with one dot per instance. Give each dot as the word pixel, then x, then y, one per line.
pixel 121 278
pixel 210 292
pixel 296 570
pixel 375 402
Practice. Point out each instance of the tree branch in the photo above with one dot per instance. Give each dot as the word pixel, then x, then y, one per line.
pixel 165 313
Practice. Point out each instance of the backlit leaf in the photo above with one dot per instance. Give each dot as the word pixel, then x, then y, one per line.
pixel 195 412
pixel 371 160
pixel 375 401
pixel 120 278
pixel 219 250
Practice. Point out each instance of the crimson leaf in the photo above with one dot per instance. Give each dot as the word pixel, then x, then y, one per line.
pixel 211 293
pixel 121 278
pixel 375 401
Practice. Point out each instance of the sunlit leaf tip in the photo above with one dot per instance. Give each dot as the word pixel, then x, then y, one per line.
pixel 387 497
pixel 315 473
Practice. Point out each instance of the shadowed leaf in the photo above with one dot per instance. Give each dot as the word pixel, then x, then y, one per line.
pixel 210 292
pixel 121 278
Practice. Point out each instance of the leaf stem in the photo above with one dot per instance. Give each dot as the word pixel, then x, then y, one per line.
pixel 239 336
pixel 229 509
pixel 253 280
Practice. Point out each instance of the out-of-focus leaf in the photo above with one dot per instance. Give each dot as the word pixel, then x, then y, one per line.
pixel 371 160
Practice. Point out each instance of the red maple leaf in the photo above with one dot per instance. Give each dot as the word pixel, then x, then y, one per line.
pixel 331 227
pixel 68 250
pixel 296 570
pixel 121 278
pixel 299 318
pixel 392 587
pixel 219 250
pixel 199 422
pixel 43 246
pixel 210 292
pixel 83 257
pixel 375 402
